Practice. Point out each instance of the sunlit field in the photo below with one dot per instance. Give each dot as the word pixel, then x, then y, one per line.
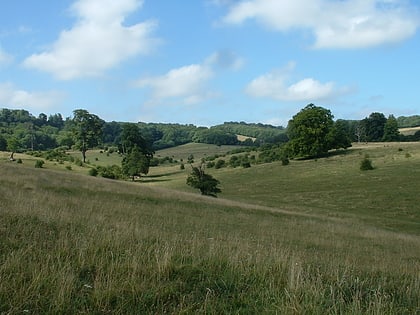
pixel 313 237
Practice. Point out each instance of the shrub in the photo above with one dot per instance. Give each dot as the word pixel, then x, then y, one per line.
pixel 68 167
pixel 93 172
pixel 366 164
pixel 285 161
pixel 39 163
pixel 182 166
pixel 206 183
pixel 219 164
pixel 19 161
pixel 246 164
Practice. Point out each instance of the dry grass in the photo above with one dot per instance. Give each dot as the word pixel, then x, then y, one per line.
pixel 73 244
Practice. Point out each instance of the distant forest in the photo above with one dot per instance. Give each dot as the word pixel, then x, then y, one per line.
pixel 49 132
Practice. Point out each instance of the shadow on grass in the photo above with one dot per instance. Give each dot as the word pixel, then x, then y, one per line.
pixel 147 180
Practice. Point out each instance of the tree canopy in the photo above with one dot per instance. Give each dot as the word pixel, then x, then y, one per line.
pixel 87 130
pixel 136 150
pixel 206 183
pixel 309 131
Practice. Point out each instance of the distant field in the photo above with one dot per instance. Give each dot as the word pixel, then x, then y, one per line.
pixel 313 237
pixel 409 131
pixel 198 150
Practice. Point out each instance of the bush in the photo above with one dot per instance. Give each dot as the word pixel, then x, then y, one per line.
pixel 366 164
pixel 68 167
pixel 182 166
pixel 39 163
pixel 19 161
pixel 219 164
pixel 93 172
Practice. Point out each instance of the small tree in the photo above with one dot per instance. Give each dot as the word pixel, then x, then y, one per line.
pixel 366 164
pixel 12 145
pixel 206 183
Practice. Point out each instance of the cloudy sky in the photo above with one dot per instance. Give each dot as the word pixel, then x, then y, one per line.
pixel 209 61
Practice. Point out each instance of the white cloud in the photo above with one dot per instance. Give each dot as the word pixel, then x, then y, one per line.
pixel 98 41
pixel 186 83
pixel 334 24
pixel 13 97
pixel 5 58
pixel 276 85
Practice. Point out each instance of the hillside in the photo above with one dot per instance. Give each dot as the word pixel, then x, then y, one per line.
pixel 314 236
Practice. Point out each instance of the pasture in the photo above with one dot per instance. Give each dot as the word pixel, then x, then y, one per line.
pixel 313 237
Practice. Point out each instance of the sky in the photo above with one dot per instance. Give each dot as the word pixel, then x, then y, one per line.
pixel 205 62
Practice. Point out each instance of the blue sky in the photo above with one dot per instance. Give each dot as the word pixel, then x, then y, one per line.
pixel 209 61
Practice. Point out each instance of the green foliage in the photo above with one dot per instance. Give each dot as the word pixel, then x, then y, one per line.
pixel 366 164
pixel 215 136
pixel 220 163
pixel 410 121
pixel 3 143
pixel 310 132
pixel 262 132
pixel 391 132
pixel 135 163
pixel 111 172
pixel 87 130
pixel 137 152
pixel 374 126
pixel 93 172
pixel 206 183
pixel 39 163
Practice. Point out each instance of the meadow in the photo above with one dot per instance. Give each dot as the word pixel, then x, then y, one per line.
pixel 313 237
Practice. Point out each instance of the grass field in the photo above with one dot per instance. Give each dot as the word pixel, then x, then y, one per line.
pixel 409 131
pixel 313 237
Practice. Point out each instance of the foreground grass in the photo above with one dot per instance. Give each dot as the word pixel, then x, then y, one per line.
pixel 72 244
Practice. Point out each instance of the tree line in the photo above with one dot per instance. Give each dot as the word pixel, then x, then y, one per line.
pixel 21 131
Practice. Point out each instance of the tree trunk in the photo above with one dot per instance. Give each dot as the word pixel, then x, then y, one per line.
pixel 84 156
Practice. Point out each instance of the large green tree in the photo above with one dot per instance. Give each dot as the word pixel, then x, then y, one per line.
pixel 374 126
pixel 136 150
pixel 311 132
pixel 391 132
pixel 86 131
pixel 135 163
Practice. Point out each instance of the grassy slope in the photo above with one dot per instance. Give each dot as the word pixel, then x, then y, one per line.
pixel 349 242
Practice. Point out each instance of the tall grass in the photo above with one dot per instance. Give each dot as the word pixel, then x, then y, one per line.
pixel 72 244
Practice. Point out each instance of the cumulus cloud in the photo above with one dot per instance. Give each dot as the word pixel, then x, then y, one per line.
pixel 276 85
pixel 333 23
pixel 186 83
pixel 13 97
pixel 98 41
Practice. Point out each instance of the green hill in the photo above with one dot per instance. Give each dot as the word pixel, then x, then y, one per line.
pixel 315 237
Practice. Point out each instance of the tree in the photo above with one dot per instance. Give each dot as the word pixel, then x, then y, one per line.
pixel 87 130
pixel 310 131
pixel 374 126
pixel 12 145
pixel 3 143
pixel 137 151
pixel 206 183
pixel 391 132
pixel 340 135
pixel 135 163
